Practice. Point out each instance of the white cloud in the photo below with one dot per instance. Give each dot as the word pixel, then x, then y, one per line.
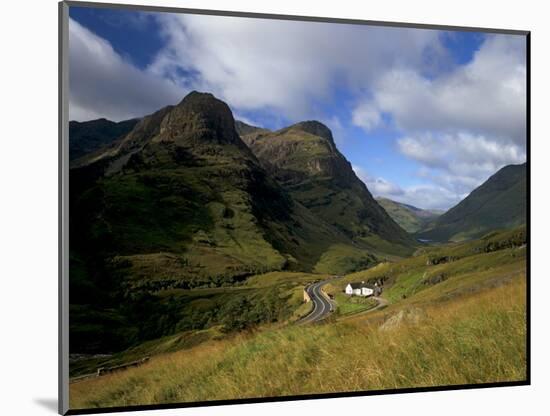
pixel 461 126
pixel 453 165
pixel 284 65
pixel 429 197
pixel 487 96
pixel 378 186
pixel 366 115
pixel 462 161
pixel 426 196
pixel 103 84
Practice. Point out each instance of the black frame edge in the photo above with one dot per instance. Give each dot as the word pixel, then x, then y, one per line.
pixel 295 398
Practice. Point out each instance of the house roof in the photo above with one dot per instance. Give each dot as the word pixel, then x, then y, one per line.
pixel 359 285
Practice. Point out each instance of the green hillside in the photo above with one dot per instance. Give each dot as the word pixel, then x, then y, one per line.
pixel 500 202
pixel 304 160
pixel 244 129
pixel 196 316
pixel 410 218
pixel 89 136
pixel 182 203
pixel 193 237
pixel 456 315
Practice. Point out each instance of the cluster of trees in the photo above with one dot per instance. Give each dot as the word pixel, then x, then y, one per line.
pixel 432 261
pixel 191 282
pixel 239 313
pixel 110 313
pixel 517 240
pixel 242 312
pixel 142 316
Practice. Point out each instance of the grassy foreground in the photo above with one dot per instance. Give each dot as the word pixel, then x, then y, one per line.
pixel 473 338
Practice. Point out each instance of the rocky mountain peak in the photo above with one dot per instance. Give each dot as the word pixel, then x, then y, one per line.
pixel 199 116
pixel 313 127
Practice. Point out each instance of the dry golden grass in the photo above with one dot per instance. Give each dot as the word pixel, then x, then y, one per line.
pixel 473 338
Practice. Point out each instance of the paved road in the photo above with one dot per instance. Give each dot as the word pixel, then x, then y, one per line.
pixel 322 306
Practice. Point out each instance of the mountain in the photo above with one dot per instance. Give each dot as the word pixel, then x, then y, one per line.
pixel 183 181
pixel 181 202
pixel 500 202
pixel 410 218
pixel 244 129
pixel 305 161
pixel 89 136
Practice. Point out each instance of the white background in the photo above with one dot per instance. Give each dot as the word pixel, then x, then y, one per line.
pixel 28 208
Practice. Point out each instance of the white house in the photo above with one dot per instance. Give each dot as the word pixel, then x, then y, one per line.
pixel 360 289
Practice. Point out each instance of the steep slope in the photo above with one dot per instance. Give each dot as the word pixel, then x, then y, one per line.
pixel 500 202
pixel 89 136
pixel 410 218
pixel 305 161
pixel 244 129
pixel 192 156
pixel 181 202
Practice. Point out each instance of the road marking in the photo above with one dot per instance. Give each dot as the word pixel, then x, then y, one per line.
pixel 308 317
pixel 320 298
pixel 320 302
pixel 316 301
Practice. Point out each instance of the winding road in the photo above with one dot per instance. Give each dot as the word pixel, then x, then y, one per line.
pixel 322 305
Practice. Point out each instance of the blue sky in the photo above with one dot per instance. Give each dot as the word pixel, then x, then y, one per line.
pixel 424 116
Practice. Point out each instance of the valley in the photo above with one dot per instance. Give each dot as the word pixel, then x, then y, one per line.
pixel 216 254
pixel 452 312
pixel 410 218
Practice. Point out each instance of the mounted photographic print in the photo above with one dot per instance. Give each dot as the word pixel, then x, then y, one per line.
pixel 265 208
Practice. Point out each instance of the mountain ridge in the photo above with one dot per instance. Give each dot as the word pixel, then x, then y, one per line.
pixel 193 150
pixel 179 203
pixel 195 147
pixel 409 217
pixel 499 202
pixel 305 161
pixel 192 199
pixel 89 136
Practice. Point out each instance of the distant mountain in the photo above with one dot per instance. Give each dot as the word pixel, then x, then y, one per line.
pixel 500 202
pixel 244 129
pixel 304 160
pixel 89 136
pixel 410 218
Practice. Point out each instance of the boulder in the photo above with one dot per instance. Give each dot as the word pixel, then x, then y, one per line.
pixel 412 316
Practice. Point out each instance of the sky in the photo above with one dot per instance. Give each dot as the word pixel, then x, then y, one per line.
pixel 424 116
